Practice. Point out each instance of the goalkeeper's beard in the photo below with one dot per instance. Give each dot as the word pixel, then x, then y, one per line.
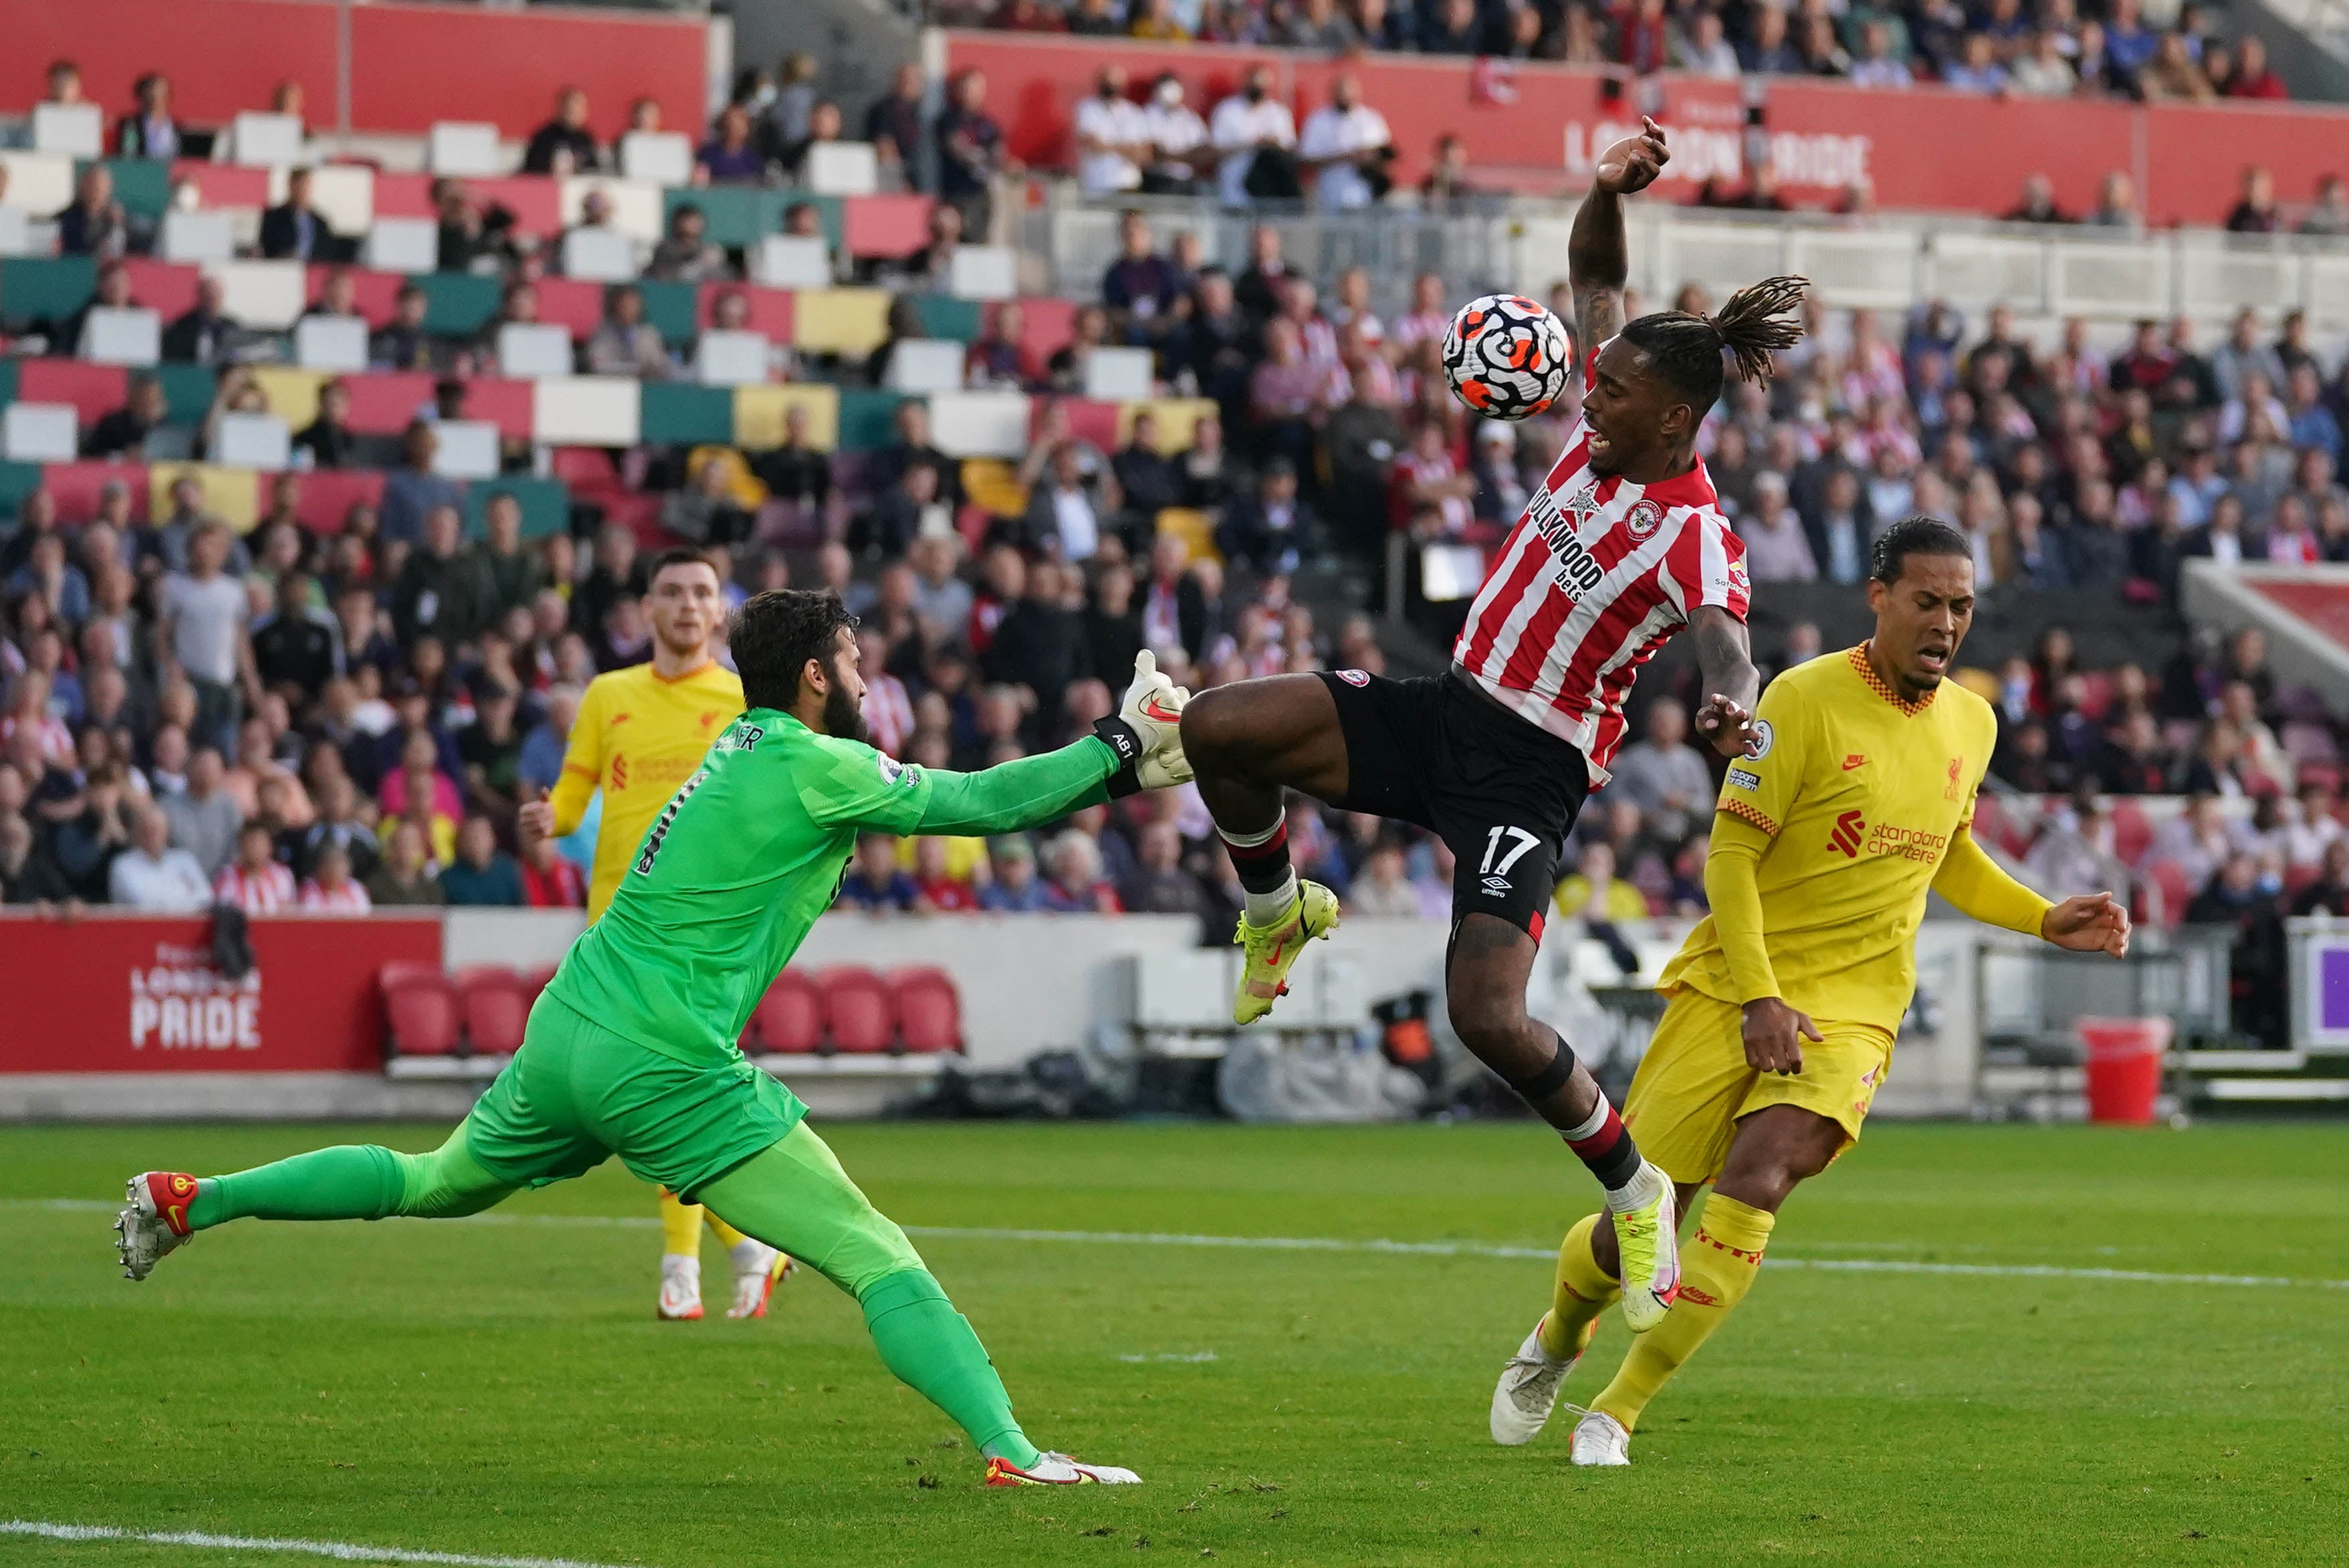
pixel 844 716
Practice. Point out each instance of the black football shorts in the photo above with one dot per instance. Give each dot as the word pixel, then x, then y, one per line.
pixel 1500 790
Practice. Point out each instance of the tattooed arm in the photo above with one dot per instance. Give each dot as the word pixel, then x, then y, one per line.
pixel 1730 683
pixel 1596 260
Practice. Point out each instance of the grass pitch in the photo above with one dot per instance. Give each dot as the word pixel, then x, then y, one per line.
pixel 499 1385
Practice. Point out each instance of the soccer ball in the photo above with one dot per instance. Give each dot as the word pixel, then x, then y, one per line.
pixel 1506 356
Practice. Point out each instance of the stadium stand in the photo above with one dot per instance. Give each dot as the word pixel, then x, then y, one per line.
pixel 1221 440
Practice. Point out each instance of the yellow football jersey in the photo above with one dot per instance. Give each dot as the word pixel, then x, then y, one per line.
pixel 1861 794
pixel 638 736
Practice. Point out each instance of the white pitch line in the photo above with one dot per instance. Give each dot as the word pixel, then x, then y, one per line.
pixel 344 1550
pixel 1374 1244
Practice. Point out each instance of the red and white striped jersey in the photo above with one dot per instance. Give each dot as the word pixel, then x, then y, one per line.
pixel 1597 574
pixel 264 892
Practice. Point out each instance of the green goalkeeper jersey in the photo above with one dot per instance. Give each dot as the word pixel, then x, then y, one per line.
pixel 752 847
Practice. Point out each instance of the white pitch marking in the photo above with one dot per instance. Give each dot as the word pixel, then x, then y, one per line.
pixel 344 1550
pixel 1380 1245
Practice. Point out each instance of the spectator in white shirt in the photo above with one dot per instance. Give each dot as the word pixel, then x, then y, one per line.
pixel 1348 144
pixel 1257 136
pixel 1704 52
pixel 1113 138
pixel 1875 68
pixel 1178 141
pixel 330 889
pixel 1775 548
pixel 152 875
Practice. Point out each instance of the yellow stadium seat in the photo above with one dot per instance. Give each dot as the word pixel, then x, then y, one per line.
pixel 994 487
pixel 758 415
pixel 1177 417
pixel 1195 528
pixel 839 320
pixel 232 495
pixel 293 394
pixel 1982 683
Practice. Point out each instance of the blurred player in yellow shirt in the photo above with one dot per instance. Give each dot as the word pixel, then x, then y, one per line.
pixel 1784 1001
pixel 640 733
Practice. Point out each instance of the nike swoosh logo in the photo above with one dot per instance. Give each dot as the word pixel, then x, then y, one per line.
pixel 1150 709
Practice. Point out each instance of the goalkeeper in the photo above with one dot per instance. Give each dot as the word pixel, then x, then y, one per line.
pixel 630 1050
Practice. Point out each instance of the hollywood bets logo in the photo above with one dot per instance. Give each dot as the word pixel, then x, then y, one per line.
pixel 180 1003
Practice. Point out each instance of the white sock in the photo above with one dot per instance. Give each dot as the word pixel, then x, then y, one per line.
pixel 751 1255
pixel 1639 1191
pixel 679 1265
pixel 1266 909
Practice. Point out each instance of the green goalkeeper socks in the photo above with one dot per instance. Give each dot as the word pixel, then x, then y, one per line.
pixel 353 1182
pixel 933 1349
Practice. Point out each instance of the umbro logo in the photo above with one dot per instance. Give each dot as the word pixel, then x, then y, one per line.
pixel 1857 759
pixel 1496 887
pixel 1850 829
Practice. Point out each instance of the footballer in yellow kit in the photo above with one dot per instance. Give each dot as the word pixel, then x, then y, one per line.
pixel 640 733
pixel 1786 1000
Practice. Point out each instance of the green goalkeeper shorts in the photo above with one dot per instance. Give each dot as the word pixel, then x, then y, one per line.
pixel 577 1094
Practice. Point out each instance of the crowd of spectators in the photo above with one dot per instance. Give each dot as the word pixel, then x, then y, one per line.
pixel 288 718
pixel 2146 49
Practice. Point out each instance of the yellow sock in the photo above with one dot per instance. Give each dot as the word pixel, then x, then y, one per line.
pixel 681 1226
pixel 1717 1266
pixel 728 1236
pixel 1584 1291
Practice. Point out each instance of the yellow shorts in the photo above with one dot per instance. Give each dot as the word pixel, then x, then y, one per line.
pixel 1694 1085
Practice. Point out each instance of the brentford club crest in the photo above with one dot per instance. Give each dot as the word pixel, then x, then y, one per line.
pixel 1644 517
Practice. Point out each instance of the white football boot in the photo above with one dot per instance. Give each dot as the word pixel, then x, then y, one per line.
pixel 1599 1439
pixel 1058 1470
pixel 758 1270
pixel 680 1289
pixel 1527 1391
pixel 154 1220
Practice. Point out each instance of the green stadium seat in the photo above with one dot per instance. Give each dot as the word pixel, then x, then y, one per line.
pixel 681 412
pixel 143 185
pixel 459 303
pixel 671 307
pixel 188 392
pixel 545 504
pixel 8 382
pixel 45 288
pixel 868 419
pixel 18 481
pixel 946 316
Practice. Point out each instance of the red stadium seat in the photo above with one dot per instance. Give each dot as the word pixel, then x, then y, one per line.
pixel 891 226
pixel 328 494
pixel 496 1002
pixel 857 1010
pixel 168 288
pixel 574 303
pixel 377 294
pixel 788 1019
pixel 419 1006
pixel 534 981
pixel 1991 828
pixel 2176 892
pixel 2131 831
pixel 929 1011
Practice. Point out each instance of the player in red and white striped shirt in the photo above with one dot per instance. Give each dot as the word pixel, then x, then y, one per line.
pixel 1622 547
pixel 254 882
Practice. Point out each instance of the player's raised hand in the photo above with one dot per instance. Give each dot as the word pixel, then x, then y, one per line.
pixel 1633 163
pixel 1154 710
pixel 1728 725
pixel 1773 1034
pixel 2092 922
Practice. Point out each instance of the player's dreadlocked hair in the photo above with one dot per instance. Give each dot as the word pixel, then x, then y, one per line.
pixel 1755 323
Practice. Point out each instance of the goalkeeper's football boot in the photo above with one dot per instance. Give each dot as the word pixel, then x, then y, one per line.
pixel 758 1270
pixel 1058 1470
pixel 1599 1439
pixel 154 1220
pixel 680 1290
pixel 1648 1238
pixel 1527 1391
pixel 1273 950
